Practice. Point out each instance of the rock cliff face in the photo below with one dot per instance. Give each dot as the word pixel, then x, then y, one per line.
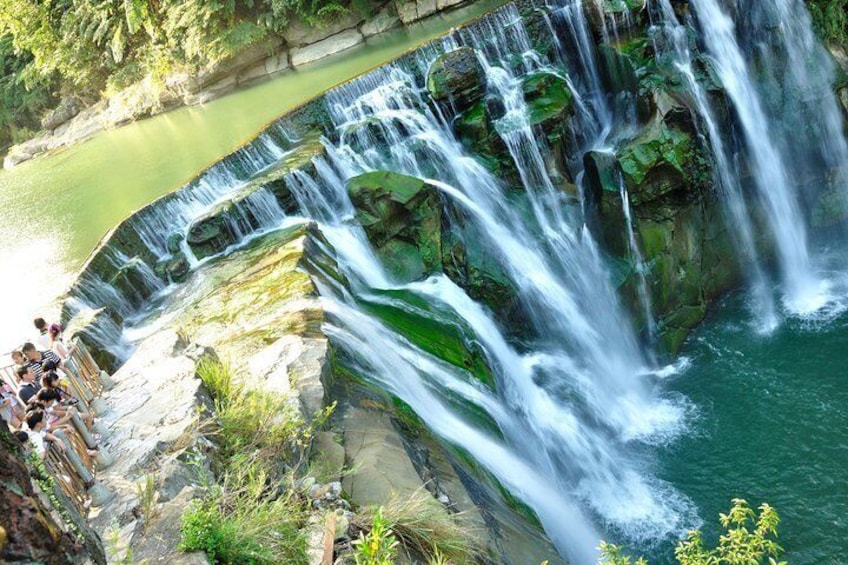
pixel 28 531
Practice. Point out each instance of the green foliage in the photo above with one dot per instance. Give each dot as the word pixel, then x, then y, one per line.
pixel 830 18
pixel 379 546
pixel 91 48
pixel 424 527
pixel 250 517
pixel 749 539
pixel 245 524
pixel 20 104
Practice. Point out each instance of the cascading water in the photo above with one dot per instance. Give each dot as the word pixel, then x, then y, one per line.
pixel 578 395
pixel 803 292
pixel 725 174
pixel 638 264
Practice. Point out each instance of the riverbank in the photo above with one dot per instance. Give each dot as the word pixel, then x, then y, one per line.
pixel 296 48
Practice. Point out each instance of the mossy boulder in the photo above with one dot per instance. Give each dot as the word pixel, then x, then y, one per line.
pixel 457 77
pixel 402 217
pixel 298 157
pixel 135 281
pixel 622 15
pixel 689 255
pixel 173 269
pixel 175 241
pixel 211 233
pixel 550 102
pixel 435 330
pixel 475 129
pixel 667 156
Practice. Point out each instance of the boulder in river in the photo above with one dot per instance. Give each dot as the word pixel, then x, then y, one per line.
pixel 457 77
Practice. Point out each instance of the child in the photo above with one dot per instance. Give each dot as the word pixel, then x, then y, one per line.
pixel 39 434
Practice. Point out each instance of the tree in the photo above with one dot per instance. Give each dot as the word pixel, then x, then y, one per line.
pixel 750 539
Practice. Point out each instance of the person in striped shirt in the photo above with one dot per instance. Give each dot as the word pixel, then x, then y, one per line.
pixel 36 359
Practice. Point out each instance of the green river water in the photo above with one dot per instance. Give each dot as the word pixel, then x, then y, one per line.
pixel 55 209
pixel 771 414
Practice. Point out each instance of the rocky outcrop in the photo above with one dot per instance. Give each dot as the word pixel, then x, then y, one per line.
pixel 385 19
pixel 326 47
pixel 29 530
pixel 457 77
pixel 402 217
pixel 299 33
pixel 67 109
pixel 411 11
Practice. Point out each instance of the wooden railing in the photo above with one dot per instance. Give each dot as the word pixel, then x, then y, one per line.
pixel 74 468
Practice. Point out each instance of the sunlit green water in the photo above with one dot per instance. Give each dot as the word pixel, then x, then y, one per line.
pixel 55 209
pixel 771 426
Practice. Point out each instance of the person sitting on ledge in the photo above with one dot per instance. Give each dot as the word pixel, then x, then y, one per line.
pixel 54 402
pixel 39 434
pixel 11 408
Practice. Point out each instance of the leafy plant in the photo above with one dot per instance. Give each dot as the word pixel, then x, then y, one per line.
pixel 379 545
pixel 250 517
pixel 750 539
pixel 830 18
pixel 424 527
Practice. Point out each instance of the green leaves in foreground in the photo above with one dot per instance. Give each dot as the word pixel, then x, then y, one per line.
pixel 749 539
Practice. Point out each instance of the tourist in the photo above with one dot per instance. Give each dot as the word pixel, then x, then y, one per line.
pixel 36 358
pixel 60 348
pixel 39 434
pixel 43 339
pixel 11 410
pixel 29 384
pixel 50 380
pixel 18 357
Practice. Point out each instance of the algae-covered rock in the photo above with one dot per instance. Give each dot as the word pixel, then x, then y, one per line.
pixel 666 157
pixel 475 129
pixel 211 233
pixel 299 157
pixel 135 281
pixel 619 15
pixel 550 101
pixel 173 269
pixel 457 77
pixel 402 217
pixel 175 241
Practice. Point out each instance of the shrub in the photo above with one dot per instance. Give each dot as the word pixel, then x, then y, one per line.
pixel 248 518
pixel 379 546
pixel 750 539
pixel 424 527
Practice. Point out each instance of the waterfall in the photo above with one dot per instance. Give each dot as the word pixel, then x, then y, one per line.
pixel 638 264
pixel 803 292
pixel 575 401
pixel 579 394
pixel 726 176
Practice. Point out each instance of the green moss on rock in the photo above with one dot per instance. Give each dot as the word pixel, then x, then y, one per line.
pixel 457 77
pixel 402 217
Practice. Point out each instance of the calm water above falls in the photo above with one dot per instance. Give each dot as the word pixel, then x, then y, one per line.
pixel 55 209
pixel 771 427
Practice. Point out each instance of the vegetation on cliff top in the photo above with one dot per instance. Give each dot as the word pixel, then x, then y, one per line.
pixel 86 48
